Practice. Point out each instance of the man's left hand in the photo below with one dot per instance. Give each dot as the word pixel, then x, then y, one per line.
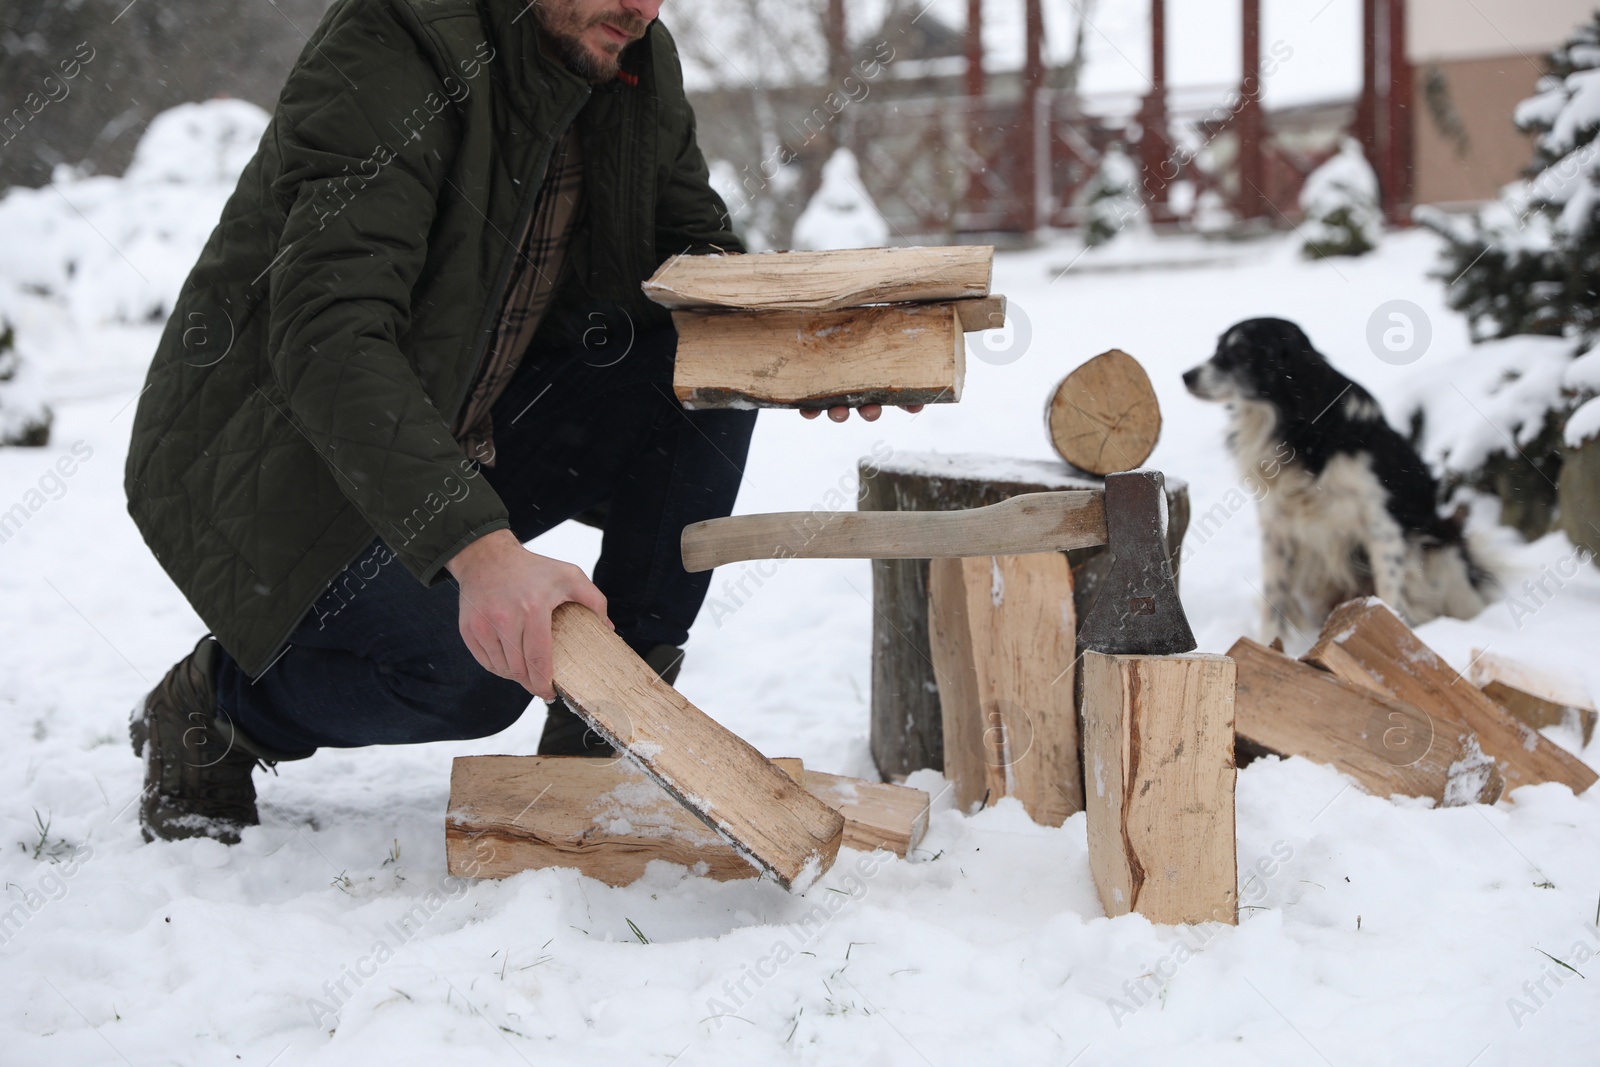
pixel 869 412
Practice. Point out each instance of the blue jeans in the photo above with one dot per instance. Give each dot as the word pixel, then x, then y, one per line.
pixel 379 659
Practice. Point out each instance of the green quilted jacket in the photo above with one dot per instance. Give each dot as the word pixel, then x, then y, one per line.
pixel 303 392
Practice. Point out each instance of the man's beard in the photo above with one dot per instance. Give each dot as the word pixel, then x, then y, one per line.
pixel 566 30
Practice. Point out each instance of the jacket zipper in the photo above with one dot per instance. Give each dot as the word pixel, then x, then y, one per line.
pixel 530 200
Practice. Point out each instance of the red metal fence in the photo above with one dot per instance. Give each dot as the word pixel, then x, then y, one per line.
pixel 941 166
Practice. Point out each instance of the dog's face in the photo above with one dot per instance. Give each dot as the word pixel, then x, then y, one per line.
pixel 1254 358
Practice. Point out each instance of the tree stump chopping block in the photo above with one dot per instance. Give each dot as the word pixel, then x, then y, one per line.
pixel 907 728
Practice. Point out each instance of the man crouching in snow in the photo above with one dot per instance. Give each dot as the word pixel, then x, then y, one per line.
pixel 438 349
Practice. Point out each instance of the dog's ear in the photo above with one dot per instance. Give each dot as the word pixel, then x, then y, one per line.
pixel 1291 347
pixel 1227 340
pixel 1245 347
pixel 1310 384
pixel 1297 337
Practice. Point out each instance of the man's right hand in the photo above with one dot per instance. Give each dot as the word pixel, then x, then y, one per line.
pixel 507 597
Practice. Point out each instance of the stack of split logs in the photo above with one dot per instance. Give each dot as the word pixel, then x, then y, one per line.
pixel 819 329
pixel 606 818
pixel 1376 703
pixel 1028 639
pixel 685 790
pixel 804 330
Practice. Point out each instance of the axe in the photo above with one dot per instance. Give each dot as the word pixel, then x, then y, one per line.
pixel 1136 613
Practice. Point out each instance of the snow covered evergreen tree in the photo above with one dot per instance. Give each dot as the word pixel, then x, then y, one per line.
pixel 1531 262
pixel 841 214
pixel 1340 201
pixel 1113 199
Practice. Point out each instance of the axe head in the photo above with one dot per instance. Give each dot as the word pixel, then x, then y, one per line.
pixel 1137 612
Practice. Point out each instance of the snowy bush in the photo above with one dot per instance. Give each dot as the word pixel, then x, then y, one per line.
pixel 1509 390
pixel 1520 409
pixel 90 267
pixel 841 214
pixel 1211 214
pixel 24 418
pixel 1340 202
pixel 1113 199
pixel 198 144
pixel 117 250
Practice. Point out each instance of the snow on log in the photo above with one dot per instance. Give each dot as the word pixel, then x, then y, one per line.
pixel 608 820
pixel 1537 696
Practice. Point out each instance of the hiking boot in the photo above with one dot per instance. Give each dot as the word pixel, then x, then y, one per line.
pixel 197 766
pixel 565 732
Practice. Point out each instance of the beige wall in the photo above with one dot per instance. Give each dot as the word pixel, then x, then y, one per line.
pixel 1484 92
pixel 1479 29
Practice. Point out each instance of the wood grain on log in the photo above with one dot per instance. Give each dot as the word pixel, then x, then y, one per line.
pixel 989 313
pixel 1104 417
pixel 736 790
pixel 607 819
pixel 823 281
pixel 1287 708
pixel 876 814
pixel 1159 777
pixel 1365 643
pixel 898 354
pixel 1004 641
pixel 907 732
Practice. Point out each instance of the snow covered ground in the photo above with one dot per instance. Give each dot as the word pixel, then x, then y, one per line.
pixel 1373 932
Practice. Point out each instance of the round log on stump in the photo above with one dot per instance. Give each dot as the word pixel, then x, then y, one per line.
pixel 1104 417
pixel 907 732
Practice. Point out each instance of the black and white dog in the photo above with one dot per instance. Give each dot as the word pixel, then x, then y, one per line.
pixel 1347 507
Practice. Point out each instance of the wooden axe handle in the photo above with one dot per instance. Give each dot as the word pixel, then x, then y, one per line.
pixel 1033 522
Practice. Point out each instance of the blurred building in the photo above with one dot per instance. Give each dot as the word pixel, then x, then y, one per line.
pixel 1471 63
pixel 966 115
pixel 972 125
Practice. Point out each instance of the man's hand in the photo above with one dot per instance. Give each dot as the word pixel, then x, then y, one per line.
pixel 869 412
pixel 507 596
